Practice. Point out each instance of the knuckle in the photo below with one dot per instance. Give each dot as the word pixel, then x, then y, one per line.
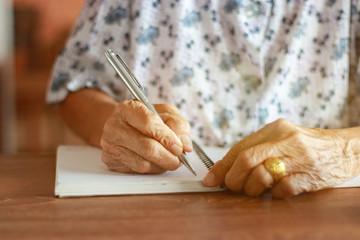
pixel 124 105
pixel 173 122
pixel 131 107
pixel 165 136
pixel 178 123
pixel 281 123
pixel 128 103
pixel 299 142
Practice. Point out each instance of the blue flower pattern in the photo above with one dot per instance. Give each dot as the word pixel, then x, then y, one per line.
pixel 115 15
pixel 182 76
pixel 232 5
pixel 299 87
pixel 191 18
pixel 229 66
pixel 341 48
pixel 148 35
pixel 222 119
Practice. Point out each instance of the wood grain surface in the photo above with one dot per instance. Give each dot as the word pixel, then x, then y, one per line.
pixel 29 210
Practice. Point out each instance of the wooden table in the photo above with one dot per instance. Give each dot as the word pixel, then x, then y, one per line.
pixel 29 210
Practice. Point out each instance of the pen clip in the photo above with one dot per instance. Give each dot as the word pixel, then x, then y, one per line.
pixel 133 78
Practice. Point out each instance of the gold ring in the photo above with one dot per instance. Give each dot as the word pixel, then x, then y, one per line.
pixel 275 167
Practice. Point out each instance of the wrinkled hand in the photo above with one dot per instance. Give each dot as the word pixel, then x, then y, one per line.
pixel 136 140
pixel 314 158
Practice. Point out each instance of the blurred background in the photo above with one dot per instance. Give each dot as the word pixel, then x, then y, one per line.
pixel 32 33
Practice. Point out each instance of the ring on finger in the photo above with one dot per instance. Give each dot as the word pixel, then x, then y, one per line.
pixel 275 167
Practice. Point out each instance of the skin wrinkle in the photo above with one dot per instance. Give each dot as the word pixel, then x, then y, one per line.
pixel 117 165
pixel 150 146
pixel 137 163
pixel 172 123
pixel 111 164
pixel 148 120
pixel 322 173
pixel 311 157
pixel 151 127
pixel 155 129
pixel 132 128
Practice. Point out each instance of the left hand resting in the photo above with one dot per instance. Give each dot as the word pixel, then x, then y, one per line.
pixel 314 158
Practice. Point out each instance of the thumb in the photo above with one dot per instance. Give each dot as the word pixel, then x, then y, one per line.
pixel 217 173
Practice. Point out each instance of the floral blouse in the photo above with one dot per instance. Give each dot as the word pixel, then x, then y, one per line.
pixel 230 66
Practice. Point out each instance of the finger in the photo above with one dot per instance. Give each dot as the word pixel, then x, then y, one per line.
pixel 115 165
pixel 292 185
pixel 257 154
pixel 148 123
pixel 181 128
pixel 258 181
pixel 216 175
pixel 132 163
pixel 143 148
pixel 124 135
pixel 245 162
pixel 172 118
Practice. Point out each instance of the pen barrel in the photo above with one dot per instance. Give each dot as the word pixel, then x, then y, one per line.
pixel 129 79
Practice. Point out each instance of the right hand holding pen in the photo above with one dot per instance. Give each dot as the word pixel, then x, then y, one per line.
pixel 136 140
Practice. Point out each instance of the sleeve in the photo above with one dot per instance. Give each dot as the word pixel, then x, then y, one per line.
pixel 102 24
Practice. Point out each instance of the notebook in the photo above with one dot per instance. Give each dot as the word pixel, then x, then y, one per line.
pixel 80 172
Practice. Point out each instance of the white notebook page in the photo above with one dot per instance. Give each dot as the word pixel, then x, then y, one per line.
pixel 80 172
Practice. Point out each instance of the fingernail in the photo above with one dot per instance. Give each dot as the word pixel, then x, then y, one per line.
pixel 187 143
pixel 209 179
pixel 176 149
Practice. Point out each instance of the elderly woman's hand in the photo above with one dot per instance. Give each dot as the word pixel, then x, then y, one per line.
pixel 136 140
pixel 314 159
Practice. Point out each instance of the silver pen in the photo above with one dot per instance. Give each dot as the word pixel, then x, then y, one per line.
pixel 136 90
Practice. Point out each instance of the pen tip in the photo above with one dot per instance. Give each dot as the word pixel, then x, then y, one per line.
pixel 187 164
